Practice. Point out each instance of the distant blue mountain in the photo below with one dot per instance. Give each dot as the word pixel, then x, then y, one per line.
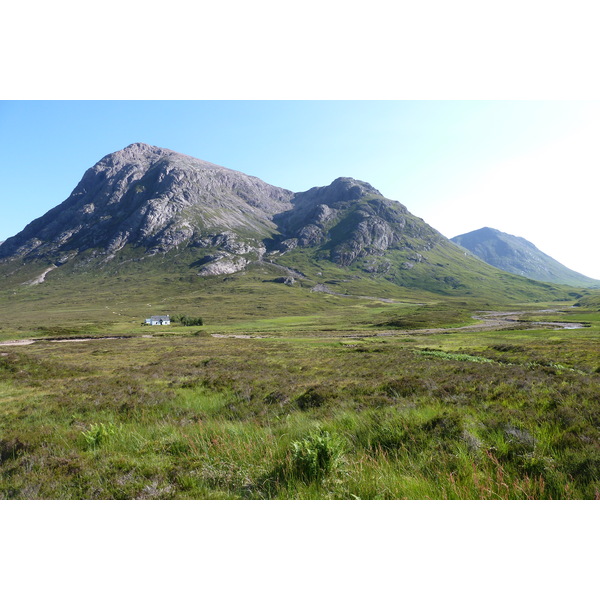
pixel 518 256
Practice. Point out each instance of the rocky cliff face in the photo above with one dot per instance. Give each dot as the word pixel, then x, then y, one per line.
pixel 519 256
pixel 158 200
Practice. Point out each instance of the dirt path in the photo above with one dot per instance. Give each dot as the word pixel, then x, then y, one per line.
pixel 17 342
pixel 238 336
pixel 40 278
pixel 64 340
pixel 508 318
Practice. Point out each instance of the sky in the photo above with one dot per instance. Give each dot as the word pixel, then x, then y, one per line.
pixel 528 168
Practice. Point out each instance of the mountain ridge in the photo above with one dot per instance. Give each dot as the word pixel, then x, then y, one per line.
pixel 143 201
pixel 160 199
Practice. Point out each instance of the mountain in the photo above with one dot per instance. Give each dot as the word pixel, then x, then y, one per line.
pixel 517 255
pixel 156 199
pixel 145 208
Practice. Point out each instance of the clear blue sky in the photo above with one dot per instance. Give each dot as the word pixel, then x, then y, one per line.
pixel 525 167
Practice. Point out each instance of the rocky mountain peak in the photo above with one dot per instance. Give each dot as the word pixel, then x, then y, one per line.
pixel 151 197
pixel 342 189
pixel 141 149
pixel 353 188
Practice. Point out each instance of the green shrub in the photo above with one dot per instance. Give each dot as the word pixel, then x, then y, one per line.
pixel 97 434
pixel 407 385
pixel 315 455
pixel 314 397
pixel 187 321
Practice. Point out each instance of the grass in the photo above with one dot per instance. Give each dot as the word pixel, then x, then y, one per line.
pixel 189 417
pixel 314 404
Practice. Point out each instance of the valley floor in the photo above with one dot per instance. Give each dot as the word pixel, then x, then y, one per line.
pixel 489 320
pixel 293 408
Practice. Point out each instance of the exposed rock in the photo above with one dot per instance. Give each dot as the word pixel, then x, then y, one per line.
pixel 223 265
pixel 287 245
pixel 376 265
pixel 324 214
pixel 158 199
pixel 148 200
pixel 351 220
pixel 311 235
pixel 285 280
pixel 370 236
pixel 40 278
pixel 321 287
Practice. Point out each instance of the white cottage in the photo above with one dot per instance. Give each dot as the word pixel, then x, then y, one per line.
pixel 159 320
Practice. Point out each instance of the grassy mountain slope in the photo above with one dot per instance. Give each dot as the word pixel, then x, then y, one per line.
pixel 80 299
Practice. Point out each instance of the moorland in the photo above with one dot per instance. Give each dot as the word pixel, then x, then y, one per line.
pixel 288 393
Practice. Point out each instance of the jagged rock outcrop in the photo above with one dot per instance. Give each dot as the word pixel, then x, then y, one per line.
pixel 223 264
pixel 285 280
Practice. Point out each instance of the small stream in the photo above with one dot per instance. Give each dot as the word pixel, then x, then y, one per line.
pixel 494 317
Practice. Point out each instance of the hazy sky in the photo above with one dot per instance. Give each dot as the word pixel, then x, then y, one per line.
pixel 528 168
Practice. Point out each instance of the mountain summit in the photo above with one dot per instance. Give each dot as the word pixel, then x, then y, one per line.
pixel 154 198
pixel 519 256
